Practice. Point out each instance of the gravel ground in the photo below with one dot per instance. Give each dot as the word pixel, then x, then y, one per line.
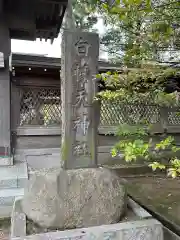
pixel 160 194
pixel 5 229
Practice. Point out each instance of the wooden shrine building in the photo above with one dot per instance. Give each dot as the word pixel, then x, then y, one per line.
pixel 26 20
pixel 36 101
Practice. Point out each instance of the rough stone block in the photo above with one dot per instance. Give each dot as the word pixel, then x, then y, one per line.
pixel 74 198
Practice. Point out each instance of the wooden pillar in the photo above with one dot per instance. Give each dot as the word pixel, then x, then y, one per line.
pixel 79 64
pixel 5 128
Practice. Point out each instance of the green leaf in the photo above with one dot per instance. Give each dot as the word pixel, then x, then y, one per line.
pixel 175 149
pixel 114 152
pixel 175 163
pixel 156 165
pixel 164 143
pixel 98 75
pixel 172 172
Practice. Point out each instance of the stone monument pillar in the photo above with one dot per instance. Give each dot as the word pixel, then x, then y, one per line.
pixel 5 134
pixel 79 64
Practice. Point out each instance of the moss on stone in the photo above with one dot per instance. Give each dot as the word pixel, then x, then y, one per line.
pixel 64 151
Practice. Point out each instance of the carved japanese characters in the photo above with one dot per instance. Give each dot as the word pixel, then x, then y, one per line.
pixel 79 65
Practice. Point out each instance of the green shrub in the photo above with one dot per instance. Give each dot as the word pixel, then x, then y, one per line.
pixel 134 147
pixel 143 86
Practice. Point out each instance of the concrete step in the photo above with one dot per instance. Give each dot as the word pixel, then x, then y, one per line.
pixel 7 197
pixel 5 211
pixel 13 176
pixel 39 158
pixel 20 154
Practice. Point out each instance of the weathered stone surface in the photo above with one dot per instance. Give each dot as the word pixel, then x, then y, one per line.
pixel 18 220
pixel 5 134
pixel 79 61
pixel 137 230
pixel 74 198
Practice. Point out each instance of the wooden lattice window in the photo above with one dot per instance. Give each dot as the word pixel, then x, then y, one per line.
pixel 40 106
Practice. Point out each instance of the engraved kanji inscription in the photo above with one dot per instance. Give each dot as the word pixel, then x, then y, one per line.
pixel 81 98
pixel 78 123
pixel 82 47
pixel 81 125
pixel 81 149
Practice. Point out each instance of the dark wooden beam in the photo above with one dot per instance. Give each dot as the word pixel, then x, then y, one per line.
pixel 22 35
pixel 36 81
pixel 41 18
pixel 61 2
pixel 21 23
pixel 1 6
pixel 53 63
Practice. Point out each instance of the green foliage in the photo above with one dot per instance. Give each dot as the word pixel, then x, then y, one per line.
pixel 134 150
pixel 141 79
pixel 139 29
pixel 156 165
pixel 165 143
pixel 169 100
pixel 144 85
pixel 130 131
pixel 85 15
pixel 174 171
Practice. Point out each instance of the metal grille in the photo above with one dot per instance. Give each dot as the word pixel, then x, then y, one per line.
pixel 40 106
pixel 173 117
pixel 115 113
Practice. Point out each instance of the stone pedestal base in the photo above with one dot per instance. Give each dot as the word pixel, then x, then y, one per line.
pixel 144 229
